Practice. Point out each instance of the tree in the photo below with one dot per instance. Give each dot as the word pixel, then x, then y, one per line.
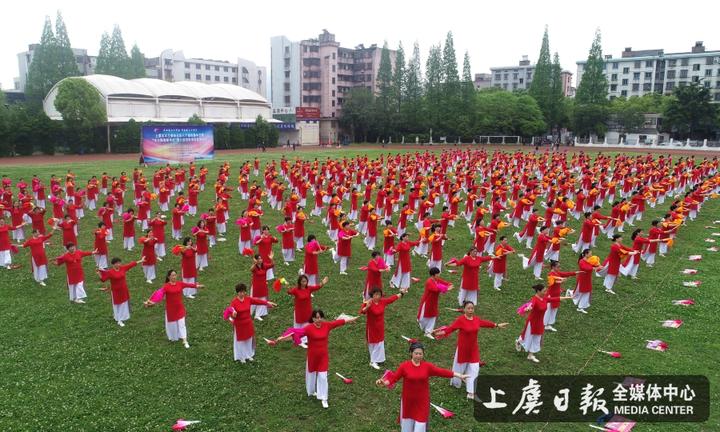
pixel 195 120
pixel 385 98
pixel 5 146
pixel 67 66
pixel 450 97
pixel 558 107
pixel 434 79
pixel 82 111
pixel 411 111
pixel 467 109
pixel 358 113
pixel 137 63
pixel 43 67
pixel 263 133
pixel 690 113
pixel 541 88
pixel 127 137
pixel 399 81
pixel 627 113
pixel 113 58
pixel 590 111
pixel 500 112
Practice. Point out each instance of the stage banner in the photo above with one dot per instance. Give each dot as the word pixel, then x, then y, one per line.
pixel 177 144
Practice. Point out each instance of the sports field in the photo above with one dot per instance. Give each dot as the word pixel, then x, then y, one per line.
pixel 69 367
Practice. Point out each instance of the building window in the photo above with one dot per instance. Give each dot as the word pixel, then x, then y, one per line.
pixel 684 62
pixel 717 97
pixel 207 67
pixel 636 76
pixel 187 65
pixel 333 103
pixel 626 70
pixel 505 86
pixel 207 77
pixel 637 64
pixel 287 86
pixel 695 79
pixel 234 80
pixel 613 77
pixel 648 63
pixel 625 81
pixel 671 74
pixel 505 76
pixel 615 65
pixel 696 67
pixel 225 68
pixel 234 70
pixel 648 75
pixel 333 93
pixel 217 68
pixel 287 74
pixel 672 63
pixel 636 87
pixel 187 76
pixel 717 84
pixel 515 76
pixel 521 80
pixel 197 65
pixel 623 93
pixel 613 87
pixel 287 100
pixel 514 86
pixel 647 87
pixel 333 55
pixel 333 68
pixel 708 72
pixel 226 79
pixel 706 84
pixel 683 73
pixel 669 85
pixel 682 83
pixel 709 61
pixel 217 78
pixel 497 77
pixel 305 48
pixel 198 77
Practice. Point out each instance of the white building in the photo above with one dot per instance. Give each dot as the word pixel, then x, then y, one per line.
pixel 637 73
pixel 174 67
pixel 85 63
pixel 513 77
pixel 285 70
pixel 147 99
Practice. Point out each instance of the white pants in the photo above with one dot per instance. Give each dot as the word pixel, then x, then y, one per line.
pixel 18 234
pixel 149 271
pixel 580 246
pixel 109 236
pixel 630 269
pixel 343 263
pixel 497 281
pixel 609 281
pixel 39 272
pixel 288 255
pixel 472 369
pixel 121 312
pixel 128 243
pixel 401 280
pixel 389 259
pixel 553 255
pixel 531 342
pixel 176 234
pixel 550 315
pixel 5 258
pixel 299 244
pixel 377 352
pixel 101 261
pixel 187 292
pixel 465 295
pixel 201 261
pixel 243 350
pixel 537 266
pixel 649 258
pixel 175 330
pixel 316 383
pixel 426 324
pixel 243 244
pixel 160 249
pixel 437 264
pixel 410 425
pixel 581 300
pixel 77 291
pixel 259 311
pixel 370 242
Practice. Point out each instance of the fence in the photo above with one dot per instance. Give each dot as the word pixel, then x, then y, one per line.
pixel 636 143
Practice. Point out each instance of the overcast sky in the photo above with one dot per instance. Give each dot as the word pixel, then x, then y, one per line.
pixel 495 33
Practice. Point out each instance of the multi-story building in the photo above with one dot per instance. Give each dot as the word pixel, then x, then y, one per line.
pixel 85 63
pixel 513 77
pixel 567 89
pixel 637 73
pixel 173 66
pixel 482 80
pixel 319 73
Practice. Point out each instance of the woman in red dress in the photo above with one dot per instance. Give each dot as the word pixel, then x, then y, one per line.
pixel 344 246
pixel 201 238
pixel 401 278
pixel 587 265
pixel 318 359
pixel 554 282
pixel 302 307
pixel 174 308
pixel 310 266
pixel 428 309
pixel 374 309
pixel 537 256
pixel 38 259
pixel 471 270
pixel 611 265
pixel 531 337
pixel 259 286
pixel 498 268
pixel 148 253
pixel 75 276
pixel 467 353
pixel 118 288
pixel 244 331
pixel 415 399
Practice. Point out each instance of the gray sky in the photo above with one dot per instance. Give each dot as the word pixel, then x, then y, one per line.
pixel 495 33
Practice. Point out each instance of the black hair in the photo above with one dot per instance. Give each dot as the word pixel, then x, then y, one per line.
pixel 434 271
pixel 241 287
pixel 416 345
pixel 115 260
pixel 316 312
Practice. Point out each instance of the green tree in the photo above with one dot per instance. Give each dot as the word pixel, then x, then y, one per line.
pixel 103 59
pixel 541 88
pixel 5 146
pixel 263 133
pixel 113 58
pixel 527 117
pixel 66 64
pixel 399 82
pixel 137 63
pixel 558 106
pixel 42 72
pixel 627 113
pixel 591 102
pixel 412 109
pixel 385 99
pixel 500 112
pixel 82 110
pixel 195 120
pixel 126 138
pixel 434 79
pixel 450 108
pixel 466 114
pixel 690 113
pixel 358 113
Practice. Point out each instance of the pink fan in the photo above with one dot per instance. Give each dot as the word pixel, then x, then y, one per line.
pixel 280 228
pixel 452 261
pixel 183 424
pixel 613 354
pixel 657 345
pixel 195 229
pixel 695 283
pixel 689 271
pixel 127 216
pixel 185 208
pixel 227 313
pixel 157 295
pixel 390 251
pixel 297 334
pixel 443 287
pixel 204 216
pixel 345 380
pixel 443 412
pixel 240 221
pixel 684 302
pixel 452 271
pixel 414 279
pixel 522 310
pixel 363 268
pixel 713 249
pixel 695 257
pixel 387 376
pixel 620 424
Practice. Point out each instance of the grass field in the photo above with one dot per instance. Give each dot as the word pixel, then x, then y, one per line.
pixel 71 368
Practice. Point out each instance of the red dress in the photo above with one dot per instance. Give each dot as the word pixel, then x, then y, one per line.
pixel 189 268
pixel 149 250
pixel 259 281
pixel 73 265
pixel 37 249
pixel 317 353
pixel 375 324
pixel 174 307
pixel 467 344
pixel 614 257
pixel 242 322
pixel 471 268
pixel 118 282
pixel 429 300
pixel 345 242
pixel 310 259
pixel 536 315
pixel 584 279
pixel 415 398
pixel 303 302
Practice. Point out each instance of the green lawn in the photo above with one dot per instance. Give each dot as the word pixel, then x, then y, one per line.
pixel 70 367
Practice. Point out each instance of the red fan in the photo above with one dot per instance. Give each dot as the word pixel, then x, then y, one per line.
pixel 277 285
pixel 248 252
pixel 176 250
pixel 345 380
